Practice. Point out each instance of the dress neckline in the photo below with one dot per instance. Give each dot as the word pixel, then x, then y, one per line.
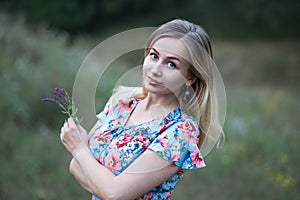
pixel 165 119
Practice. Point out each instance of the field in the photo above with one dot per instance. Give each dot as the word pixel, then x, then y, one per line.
pixel 259 160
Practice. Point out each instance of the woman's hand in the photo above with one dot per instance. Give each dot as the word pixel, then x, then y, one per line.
pixel 74 137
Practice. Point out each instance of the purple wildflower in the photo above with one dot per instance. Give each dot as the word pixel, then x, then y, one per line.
pixel 62 96
pixel 49 100
pixel 64 101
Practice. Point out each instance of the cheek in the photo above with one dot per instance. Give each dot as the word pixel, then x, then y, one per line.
pixel 145 68
pixel 146 65
pixel 177 78
pixel 147 59
pixel 175 82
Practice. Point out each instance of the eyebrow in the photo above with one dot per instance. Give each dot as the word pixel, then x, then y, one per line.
pixel 169 57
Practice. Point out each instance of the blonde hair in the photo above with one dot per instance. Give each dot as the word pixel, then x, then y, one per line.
pixel 207 103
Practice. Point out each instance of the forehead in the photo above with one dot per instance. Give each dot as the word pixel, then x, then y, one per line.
pixel 171 46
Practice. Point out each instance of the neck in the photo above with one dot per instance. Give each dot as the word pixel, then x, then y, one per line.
pixel 167 102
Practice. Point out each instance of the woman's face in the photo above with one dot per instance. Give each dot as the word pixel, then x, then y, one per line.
pixel 165 70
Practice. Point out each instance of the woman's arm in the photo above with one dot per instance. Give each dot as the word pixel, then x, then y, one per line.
pixel 75 170
pixel 148 171
pixel 74 165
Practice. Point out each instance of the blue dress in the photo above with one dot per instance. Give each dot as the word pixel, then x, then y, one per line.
pixel 173 137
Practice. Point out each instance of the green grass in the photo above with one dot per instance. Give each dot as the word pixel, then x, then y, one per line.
pixel 259 159
pixel 34 165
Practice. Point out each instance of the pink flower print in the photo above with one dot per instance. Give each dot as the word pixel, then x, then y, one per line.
pixel 103 137
pixel 168 194
pixel 197 159
pixel 124 105
pixel 163 129
pixel 149 196
pixel 183 116
pixel 164 142
pixel 113 161
pixel 108 110
pixel 176 157
pixel 123 141
pixel 188 131
pixel 143 141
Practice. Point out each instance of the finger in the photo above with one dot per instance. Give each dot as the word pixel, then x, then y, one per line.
pixel 66 126
pixel 71 121
pixel 80 128
pixel 62 135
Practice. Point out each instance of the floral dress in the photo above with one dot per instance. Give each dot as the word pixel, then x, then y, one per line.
pixel 174 137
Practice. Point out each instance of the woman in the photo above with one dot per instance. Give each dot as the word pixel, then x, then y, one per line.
pixel 141 146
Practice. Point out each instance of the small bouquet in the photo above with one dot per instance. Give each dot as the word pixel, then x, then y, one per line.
pixel 65 102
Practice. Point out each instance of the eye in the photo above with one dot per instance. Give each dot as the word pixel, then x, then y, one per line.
pixel 172 65
pixel 153 55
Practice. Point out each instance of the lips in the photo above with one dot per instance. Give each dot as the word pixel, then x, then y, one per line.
pixel 153 81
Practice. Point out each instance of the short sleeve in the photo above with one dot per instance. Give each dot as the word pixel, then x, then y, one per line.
pixel 178 144
pixel 107 110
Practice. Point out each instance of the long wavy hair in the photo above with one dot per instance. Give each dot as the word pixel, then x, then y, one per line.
pixel 201 103
pixel 207 101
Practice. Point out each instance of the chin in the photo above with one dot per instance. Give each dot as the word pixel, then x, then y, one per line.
pixel 157 90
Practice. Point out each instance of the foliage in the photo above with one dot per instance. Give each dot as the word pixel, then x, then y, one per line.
pixel 32 62
pixel 231 19
pixel 65 102
pixel 34 165
pixel 259 160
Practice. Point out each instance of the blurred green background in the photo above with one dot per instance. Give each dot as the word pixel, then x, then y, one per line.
pixel 256 46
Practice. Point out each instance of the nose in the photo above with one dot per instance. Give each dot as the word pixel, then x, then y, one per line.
pixel 156 69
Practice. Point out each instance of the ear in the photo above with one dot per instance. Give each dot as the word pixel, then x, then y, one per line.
pixel 191 81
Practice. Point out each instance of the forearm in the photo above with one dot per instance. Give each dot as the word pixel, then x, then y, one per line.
pixel 91 175
pixel 76 171
pixel 130 184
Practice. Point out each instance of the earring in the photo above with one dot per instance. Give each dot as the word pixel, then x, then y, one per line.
pixel 187 93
